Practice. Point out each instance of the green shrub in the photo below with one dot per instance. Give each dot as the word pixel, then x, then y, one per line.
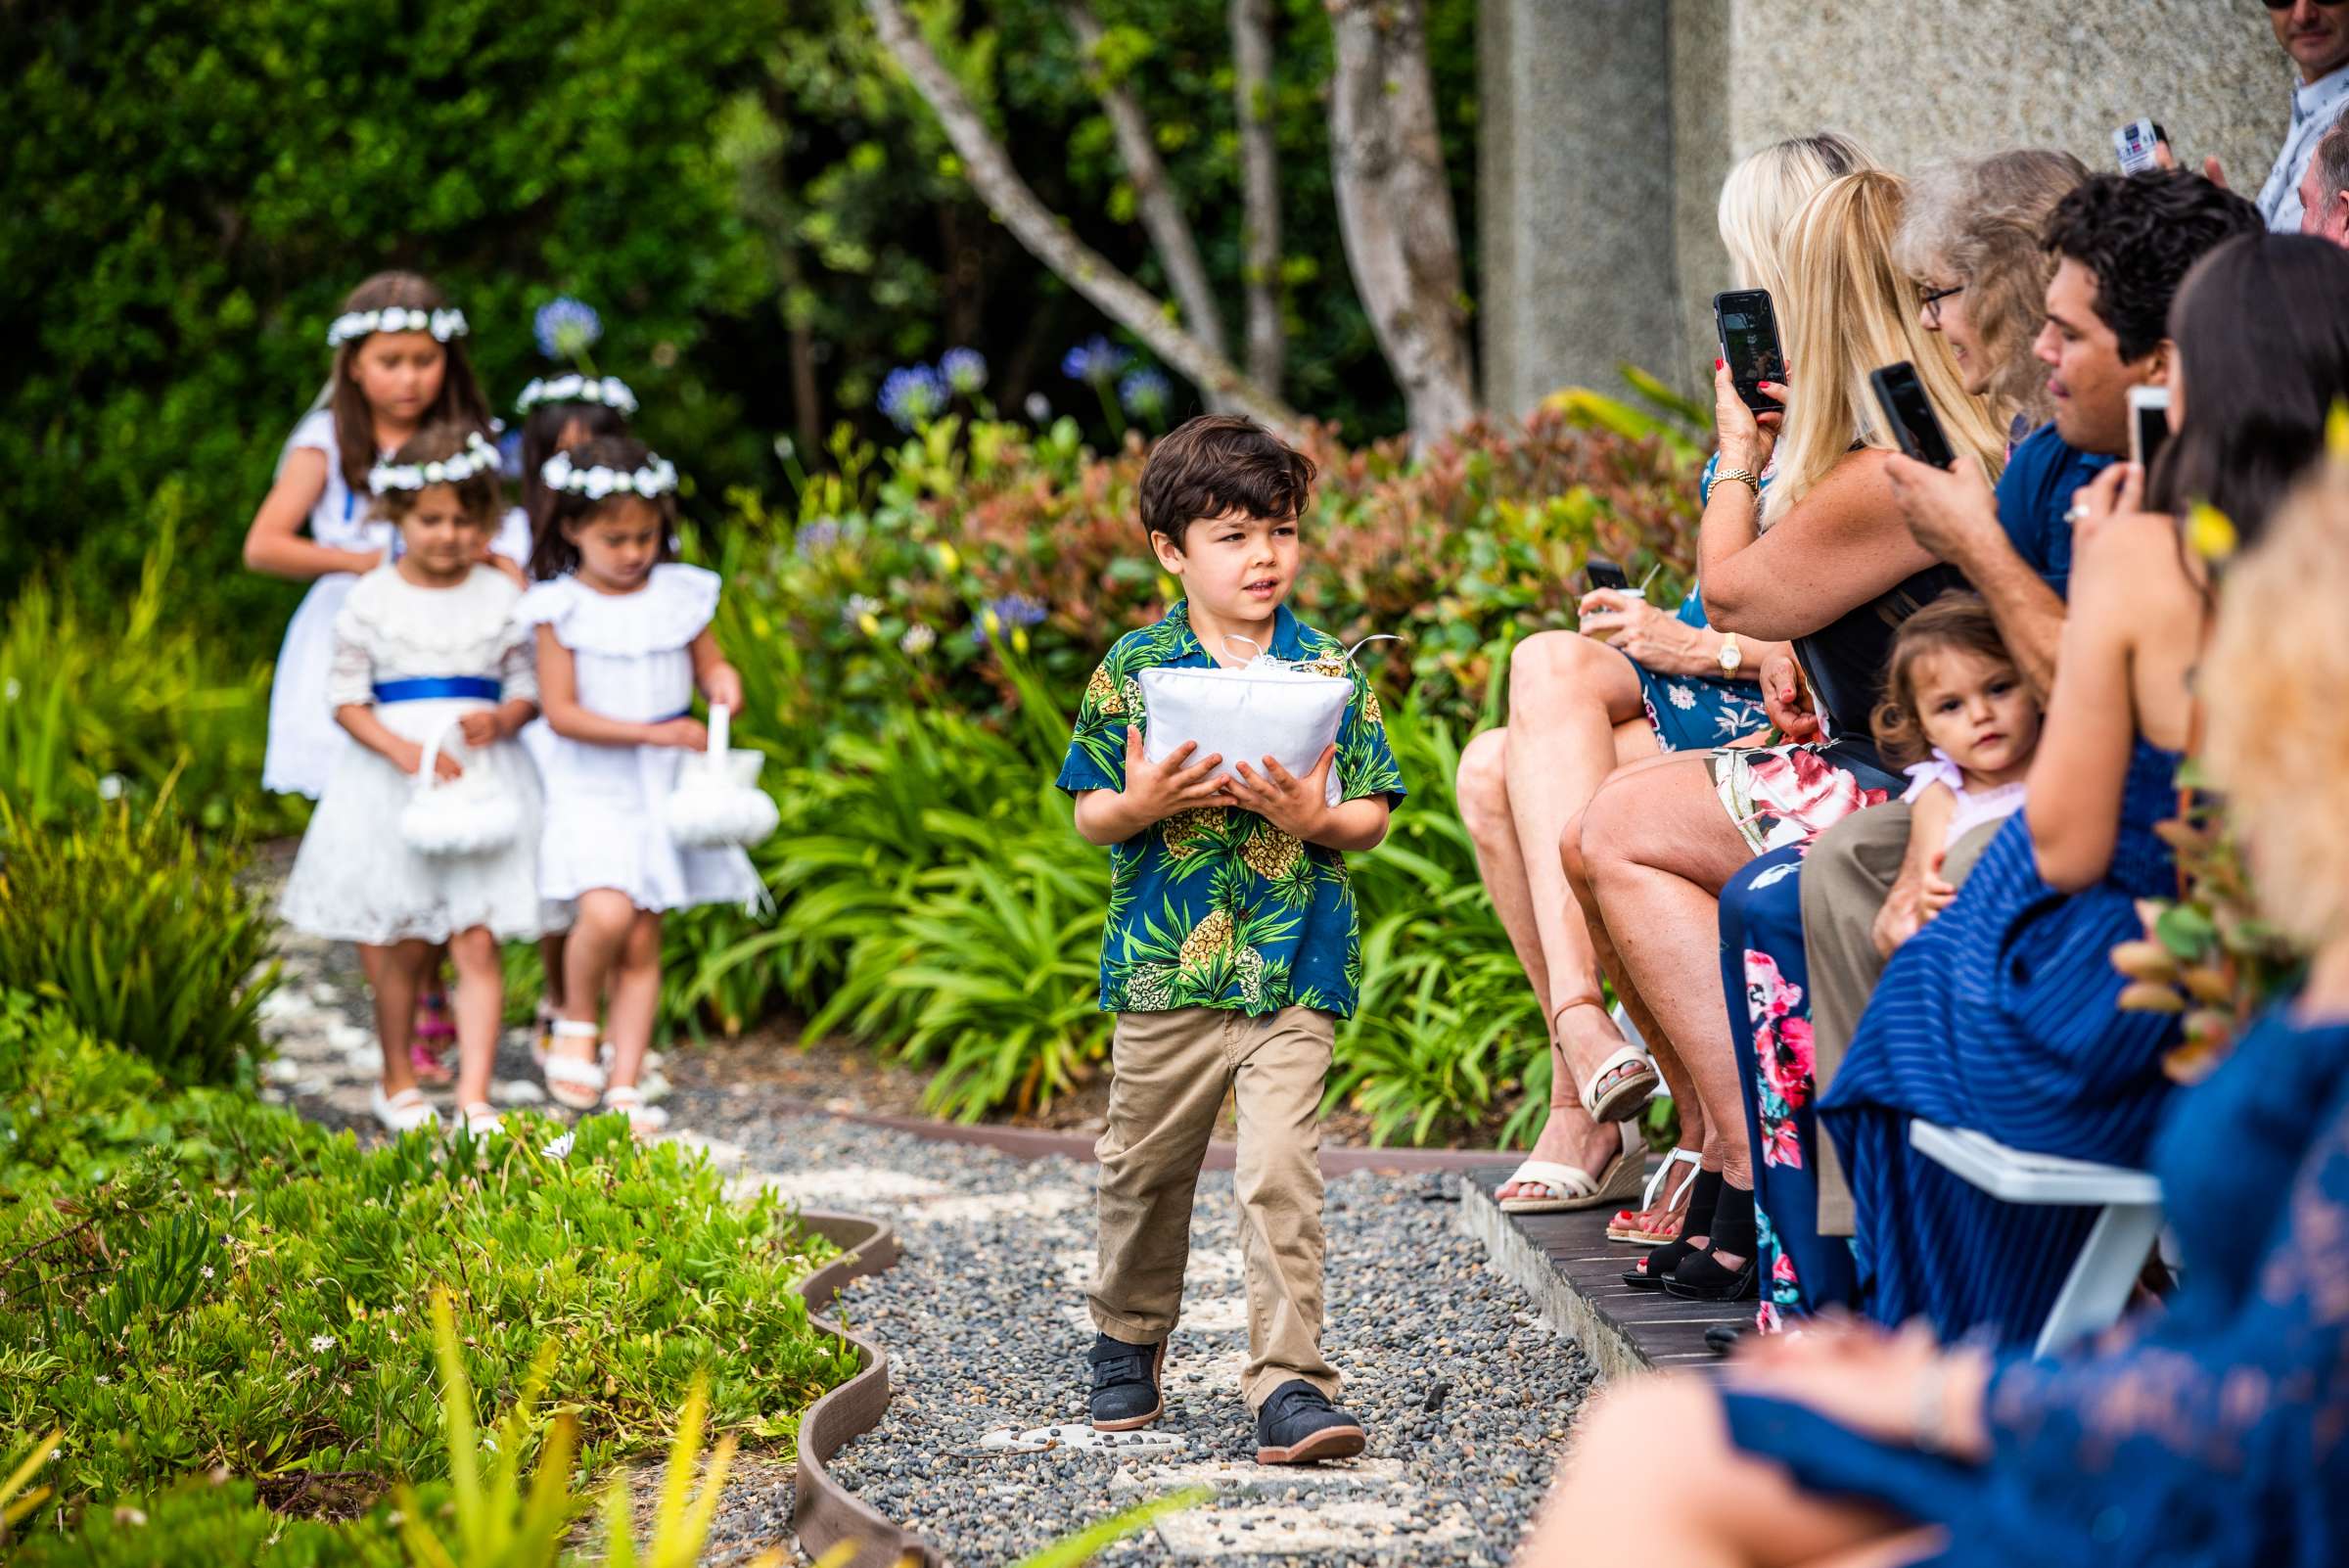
pixel 208 1522
pixel 142 931
pixel 69 1107
pixel 117 703
pixel 252 1291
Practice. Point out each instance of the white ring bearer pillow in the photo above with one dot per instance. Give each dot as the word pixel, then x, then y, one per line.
pixel 1269 707
pixel 718 800
pixel 469 814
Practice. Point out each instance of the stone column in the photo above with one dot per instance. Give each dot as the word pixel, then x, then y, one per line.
pixel 1574 196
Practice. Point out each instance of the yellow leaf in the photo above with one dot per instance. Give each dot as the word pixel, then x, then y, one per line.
pixel 2337 429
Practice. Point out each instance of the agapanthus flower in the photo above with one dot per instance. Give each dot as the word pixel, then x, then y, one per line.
pixel 965 369
pixel 567 328
pixel 1013 610
pixel 913 393
pixel 818 536
pixel 1145 392
pixel 1097 359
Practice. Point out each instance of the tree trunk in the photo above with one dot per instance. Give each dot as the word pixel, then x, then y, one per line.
pixel 1048 237
pixel 1153 193
pixel 1259 188
pixel 1395 207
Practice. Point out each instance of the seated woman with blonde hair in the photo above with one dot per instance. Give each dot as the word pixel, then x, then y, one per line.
pixel 2209 1434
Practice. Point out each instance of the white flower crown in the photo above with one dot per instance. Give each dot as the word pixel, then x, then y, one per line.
pixel 477 457
pixel 658 477
pixel 610 391
pixel 441 324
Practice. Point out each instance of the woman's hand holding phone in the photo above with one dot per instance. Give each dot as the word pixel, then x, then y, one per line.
pixel 1745 438
pixel 1646 635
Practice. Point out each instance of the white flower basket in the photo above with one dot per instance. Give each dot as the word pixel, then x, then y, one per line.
pixel 469 814
pixel 718 800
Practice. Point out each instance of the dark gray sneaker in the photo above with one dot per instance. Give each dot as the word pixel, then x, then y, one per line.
pixel 1126 1383
pixel 1298 1425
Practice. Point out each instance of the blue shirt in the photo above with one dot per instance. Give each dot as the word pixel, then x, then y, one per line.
pixel 1217 908
pixel 2035 492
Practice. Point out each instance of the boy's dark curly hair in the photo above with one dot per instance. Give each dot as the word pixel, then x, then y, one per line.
pixel 2140 234
pixel 1219 463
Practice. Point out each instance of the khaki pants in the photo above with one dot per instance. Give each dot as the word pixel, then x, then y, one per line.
pixel 1846 875
pixel 1168 1075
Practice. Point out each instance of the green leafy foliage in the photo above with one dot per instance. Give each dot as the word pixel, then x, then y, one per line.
pixel 116 702
pixel 141 930
pixel 245 1289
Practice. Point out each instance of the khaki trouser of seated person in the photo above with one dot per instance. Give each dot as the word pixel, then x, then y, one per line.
pixel 1168 1075
pixel 1846 875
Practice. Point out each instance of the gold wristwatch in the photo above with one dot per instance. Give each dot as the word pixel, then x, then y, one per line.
pixel 1732 656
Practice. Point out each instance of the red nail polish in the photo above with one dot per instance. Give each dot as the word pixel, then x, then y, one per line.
pixel 1716 365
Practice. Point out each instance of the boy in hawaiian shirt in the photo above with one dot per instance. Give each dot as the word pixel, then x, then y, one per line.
pixel 1231 949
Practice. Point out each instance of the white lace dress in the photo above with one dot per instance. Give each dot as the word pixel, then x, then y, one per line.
pixel 304 738
pixel 603 803
pixel 355 878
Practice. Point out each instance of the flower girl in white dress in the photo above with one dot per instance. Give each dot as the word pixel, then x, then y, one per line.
pixel 425 649
pixel 624 639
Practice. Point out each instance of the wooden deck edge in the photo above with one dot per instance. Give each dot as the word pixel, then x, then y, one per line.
pixel 1610 1347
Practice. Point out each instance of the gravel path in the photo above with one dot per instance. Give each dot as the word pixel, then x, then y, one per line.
pixel 1466 1396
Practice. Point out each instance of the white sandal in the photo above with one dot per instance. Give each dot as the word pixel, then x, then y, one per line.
pixel 403 1112
pixel 627 1099
pixel 1655 1184
pixel 1573 1187
pixel 570 1082
pixel 650 1080
pixel 481 1119
pixel 1623 1097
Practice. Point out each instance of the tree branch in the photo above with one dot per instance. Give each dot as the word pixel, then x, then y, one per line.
pixel 1260 187
pixel 1153 193
pixel 1395 207
pixel 1048 239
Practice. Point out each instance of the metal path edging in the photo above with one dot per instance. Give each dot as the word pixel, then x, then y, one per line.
pixel 825 1513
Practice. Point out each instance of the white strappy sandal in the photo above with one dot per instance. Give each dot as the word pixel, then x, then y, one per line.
pixel 1695 1161
pixel 403 1112
pixel 627 1099
pixel 1570 1186
pixel 570 1082
pixel 1623 1097
pixel 481 1119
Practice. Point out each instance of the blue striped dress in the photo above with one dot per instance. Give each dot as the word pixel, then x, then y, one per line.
pixel 2001 1016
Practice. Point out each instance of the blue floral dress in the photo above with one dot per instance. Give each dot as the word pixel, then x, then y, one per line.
pixel 2216 1433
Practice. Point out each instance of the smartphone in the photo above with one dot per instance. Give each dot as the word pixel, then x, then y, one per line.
pixel 2148 424
pixel 1604 573
pixel 1749 330
pixel 1909 414
pixel 2135 144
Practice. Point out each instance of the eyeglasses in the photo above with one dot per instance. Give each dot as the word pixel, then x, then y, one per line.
pixel 2287 5
pixel 1932 301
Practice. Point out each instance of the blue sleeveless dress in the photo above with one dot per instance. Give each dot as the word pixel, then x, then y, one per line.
pixel 2001 1016
pixel 2211 1436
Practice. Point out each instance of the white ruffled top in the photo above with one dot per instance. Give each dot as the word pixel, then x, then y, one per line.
pixel 391 629
pixel 1974 806
pixel 629 650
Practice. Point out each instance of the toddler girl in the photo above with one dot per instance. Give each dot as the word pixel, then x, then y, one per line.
pixel 624 639
pixel 422 642
pixel 1961 717
pixel 559 416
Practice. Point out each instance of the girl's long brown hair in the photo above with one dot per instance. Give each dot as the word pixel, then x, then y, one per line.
pixel 1953 620
pixel 460 401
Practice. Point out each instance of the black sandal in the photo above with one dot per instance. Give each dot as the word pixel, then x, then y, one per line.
pixel 1700 1277
pixel 1657 1267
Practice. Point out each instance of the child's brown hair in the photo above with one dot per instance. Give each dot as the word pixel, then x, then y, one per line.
pixel 552 553
pixel 1953 620
pixel 1219 463
pixel 460 401
pixel 480 493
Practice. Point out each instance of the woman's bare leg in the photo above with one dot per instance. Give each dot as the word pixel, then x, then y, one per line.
pixel 1656 848
pixel 1567 696
pixel 1568 1134
pixel 1728 1509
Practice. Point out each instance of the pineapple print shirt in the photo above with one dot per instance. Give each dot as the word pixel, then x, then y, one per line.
pixel 1218 908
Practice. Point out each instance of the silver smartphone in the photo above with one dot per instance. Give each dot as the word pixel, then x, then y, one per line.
pixel 2148 424
pixel 2137 144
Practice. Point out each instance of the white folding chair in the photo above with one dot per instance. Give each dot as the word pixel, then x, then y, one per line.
pixel 2101 1277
